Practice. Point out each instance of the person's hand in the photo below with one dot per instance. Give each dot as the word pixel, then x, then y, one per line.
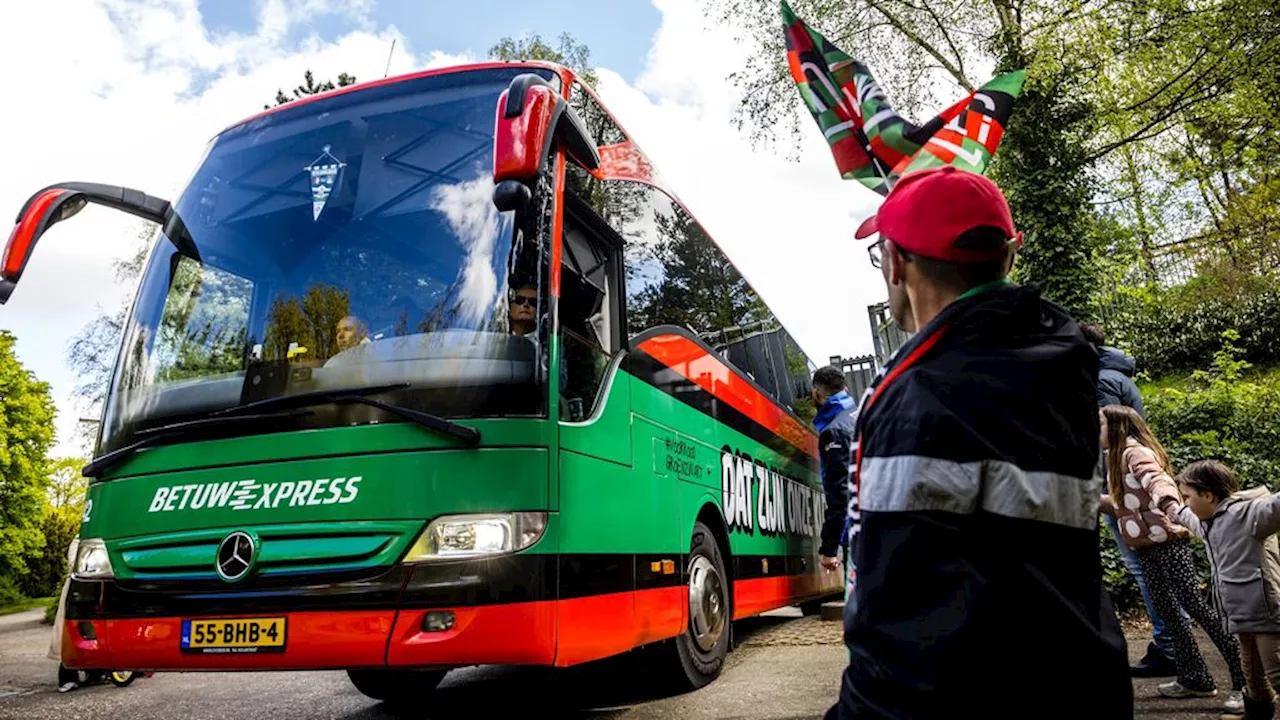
pixel 830 563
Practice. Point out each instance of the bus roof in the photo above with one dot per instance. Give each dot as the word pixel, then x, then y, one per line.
pixel 566 75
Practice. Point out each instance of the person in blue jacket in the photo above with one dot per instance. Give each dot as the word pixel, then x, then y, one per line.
pixel 835 425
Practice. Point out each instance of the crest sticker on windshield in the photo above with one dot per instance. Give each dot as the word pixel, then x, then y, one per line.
pixel 324 171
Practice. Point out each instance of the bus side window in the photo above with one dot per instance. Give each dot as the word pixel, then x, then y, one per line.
pixel 589 336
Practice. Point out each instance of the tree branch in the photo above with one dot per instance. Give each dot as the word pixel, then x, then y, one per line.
pixel 1160 90
pixel 923 44
pixel 942 28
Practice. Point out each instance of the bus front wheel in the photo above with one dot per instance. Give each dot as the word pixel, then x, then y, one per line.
pixel 700 651
pixel 396 687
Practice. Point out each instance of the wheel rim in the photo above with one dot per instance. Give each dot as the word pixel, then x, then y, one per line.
pixel 706 603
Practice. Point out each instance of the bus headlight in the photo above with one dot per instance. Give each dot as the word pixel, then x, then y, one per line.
pixel 92 561
pixel 466 536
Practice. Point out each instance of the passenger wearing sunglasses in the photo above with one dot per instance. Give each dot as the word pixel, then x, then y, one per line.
pixel 522 313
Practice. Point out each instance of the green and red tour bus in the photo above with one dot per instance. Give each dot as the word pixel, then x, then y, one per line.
pixel 430 372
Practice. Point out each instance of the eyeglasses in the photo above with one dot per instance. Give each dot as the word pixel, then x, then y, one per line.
pixel 876 252
pixel 524 300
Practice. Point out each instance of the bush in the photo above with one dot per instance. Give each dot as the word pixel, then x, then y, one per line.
pixel 1115 576
pixel 9 593
pixel 1222 414
pixel 1179 330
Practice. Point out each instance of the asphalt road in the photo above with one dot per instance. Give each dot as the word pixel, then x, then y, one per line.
pixel 784 667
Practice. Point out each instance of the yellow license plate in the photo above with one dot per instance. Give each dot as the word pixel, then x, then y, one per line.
pixel 238 635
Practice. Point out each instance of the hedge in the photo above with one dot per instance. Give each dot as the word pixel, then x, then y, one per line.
pixel 1177 331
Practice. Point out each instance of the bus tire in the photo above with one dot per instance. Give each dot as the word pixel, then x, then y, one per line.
pixel 122 678
pixel 394 686
pixel 811 608
pixel 701 649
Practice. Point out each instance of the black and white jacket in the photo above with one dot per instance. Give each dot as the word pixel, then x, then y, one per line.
pixel 978 583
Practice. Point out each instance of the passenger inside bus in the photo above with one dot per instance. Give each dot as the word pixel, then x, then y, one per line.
pixel 522 312
pixel 350 332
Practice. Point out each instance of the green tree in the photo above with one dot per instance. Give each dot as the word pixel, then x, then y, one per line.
pixel 310 87
pixel 310 322
pixel 203 324
pixel 91 353
pixel 63 510
pixel 699 287
pixel 1102 75
pixel 26 433
pixel 569 52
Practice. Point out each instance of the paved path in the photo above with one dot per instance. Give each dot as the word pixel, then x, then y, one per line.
pixel 1147 702
pixel 785 667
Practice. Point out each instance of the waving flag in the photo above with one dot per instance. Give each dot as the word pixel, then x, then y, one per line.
pixel 873 144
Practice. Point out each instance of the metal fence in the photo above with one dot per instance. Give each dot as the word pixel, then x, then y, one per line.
pixel 859 372
pixel 885 334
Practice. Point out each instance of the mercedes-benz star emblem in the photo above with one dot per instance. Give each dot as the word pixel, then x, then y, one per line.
pixel 236 555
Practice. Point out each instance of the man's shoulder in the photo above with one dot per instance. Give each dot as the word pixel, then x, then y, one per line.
pixel 841 425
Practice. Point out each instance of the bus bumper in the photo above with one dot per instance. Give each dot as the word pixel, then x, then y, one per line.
pixel 517 633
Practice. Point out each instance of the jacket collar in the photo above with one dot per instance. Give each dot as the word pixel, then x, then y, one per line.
pixel 831 409
pixel 1240 496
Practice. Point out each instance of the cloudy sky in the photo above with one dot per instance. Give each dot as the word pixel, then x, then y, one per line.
pixel 129 92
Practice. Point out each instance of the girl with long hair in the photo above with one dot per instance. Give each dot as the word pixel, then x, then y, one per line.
pixel 1139 482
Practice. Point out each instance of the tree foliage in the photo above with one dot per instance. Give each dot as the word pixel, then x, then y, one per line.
pixel 310 87
pixel 699 287
pixel 60 522
pixel 26 434
pixel 1103 76
pixel 203 323
pixel 309 322
pixel 91 353
pixel 568 52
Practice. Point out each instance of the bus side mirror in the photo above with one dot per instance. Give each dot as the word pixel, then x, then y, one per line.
pixel 59 202
pixel 531 115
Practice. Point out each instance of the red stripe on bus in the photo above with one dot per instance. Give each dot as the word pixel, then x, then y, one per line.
pixel 515 634
pixel 313 640
pixel 557 227
pixel 560 632
pixel 599 626
pixel 661 613
pixel 711 374
pixel 759 595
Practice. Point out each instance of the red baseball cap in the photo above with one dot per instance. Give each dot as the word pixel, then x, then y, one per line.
pixel 927 210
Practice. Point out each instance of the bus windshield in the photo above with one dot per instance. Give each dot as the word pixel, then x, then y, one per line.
pixel 345 243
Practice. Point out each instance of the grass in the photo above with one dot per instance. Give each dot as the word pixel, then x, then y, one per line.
pixel 29 604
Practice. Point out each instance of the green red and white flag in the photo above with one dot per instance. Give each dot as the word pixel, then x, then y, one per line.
pixel 873 144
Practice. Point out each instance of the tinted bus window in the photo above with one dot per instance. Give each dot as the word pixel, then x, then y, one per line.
pixel 602 127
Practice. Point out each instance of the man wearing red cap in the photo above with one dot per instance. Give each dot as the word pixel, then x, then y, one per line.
pixel 978 578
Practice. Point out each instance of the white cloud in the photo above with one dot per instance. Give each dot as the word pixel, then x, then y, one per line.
pixel 112 102
pixel 130 92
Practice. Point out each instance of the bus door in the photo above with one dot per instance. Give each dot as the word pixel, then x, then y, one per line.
pixel 597 609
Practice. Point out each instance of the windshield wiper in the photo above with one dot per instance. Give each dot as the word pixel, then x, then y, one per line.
pixel 181 431
pixel 360 396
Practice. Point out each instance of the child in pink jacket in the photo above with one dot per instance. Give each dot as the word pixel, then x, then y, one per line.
pixel 1139 480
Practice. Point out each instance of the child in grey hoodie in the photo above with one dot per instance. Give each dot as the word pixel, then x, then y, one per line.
pixel 1238 528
